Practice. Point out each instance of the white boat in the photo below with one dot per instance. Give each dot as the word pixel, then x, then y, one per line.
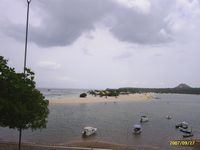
pixel 144 119
pixel 183 125
pixel 87 131
pixel 137 129
pixel 168 117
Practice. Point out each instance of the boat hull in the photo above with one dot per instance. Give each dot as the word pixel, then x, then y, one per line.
pixel 187 135
pixel 186 131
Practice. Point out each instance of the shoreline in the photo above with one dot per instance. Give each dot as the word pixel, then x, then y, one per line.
pixel 76 145
pixel 85 145
pixel 92 99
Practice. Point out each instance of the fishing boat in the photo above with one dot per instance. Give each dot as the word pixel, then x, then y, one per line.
pixel 87 131
pixel 183 125
pixel 137 129
pixel 144 119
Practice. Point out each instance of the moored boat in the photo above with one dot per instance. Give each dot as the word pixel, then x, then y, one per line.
pixel 144 119
pixel 168 117
pixel 87 131
pixel 137 129
pixel 183 125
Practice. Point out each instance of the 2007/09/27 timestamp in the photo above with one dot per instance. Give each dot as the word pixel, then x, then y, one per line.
pixel 182 142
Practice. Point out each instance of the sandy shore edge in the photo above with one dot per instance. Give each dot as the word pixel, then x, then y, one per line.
pixel 97 99
pixel 75 145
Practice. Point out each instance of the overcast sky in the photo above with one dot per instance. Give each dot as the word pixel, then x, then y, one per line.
pixel 104 43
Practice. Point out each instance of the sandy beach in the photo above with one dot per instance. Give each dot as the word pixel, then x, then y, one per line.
pixel 86 145
pixel 75 145
pixel 97 99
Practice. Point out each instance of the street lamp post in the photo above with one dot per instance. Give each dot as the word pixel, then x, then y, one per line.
pixel 26 39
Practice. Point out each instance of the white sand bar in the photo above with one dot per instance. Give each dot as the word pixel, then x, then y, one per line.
pixel 97 99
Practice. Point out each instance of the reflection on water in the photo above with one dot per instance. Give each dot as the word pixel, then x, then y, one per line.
pixel 115 121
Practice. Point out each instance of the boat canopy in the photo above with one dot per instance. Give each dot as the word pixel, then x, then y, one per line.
pixel 184 122
pixel 137 126
pixel 88 128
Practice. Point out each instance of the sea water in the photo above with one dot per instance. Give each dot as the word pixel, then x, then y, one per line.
pixel 115 121
pixel 56 93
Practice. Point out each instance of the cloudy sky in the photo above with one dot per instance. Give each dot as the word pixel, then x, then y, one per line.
pixel 104 43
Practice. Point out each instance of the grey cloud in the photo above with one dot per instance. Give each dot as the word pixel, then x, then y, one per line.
pixel 16 31
pixel 64 21
pixel 142 28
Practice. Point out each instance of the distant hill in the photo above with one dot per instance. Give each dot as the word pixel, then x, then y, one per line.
pixel 181 89
pixel 183 86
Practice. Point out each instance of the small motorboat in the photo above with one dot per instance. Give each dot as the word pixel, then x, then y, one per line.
pixel 144 119
pixel 168 117
pixel 137 129
pixel 186 131
pixel 188 135
pixel 183 125
pixel 87 131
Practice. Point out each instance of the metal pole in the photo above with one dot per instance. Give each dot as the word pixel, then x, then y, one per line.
pixel 26 39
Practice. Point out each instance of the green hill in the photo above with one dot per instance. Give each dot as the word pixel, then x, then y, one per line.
pixel 183 86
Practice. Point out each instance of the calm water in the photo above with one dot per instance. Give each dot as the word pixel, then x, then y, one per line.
pixel 115 121
pixel 60 93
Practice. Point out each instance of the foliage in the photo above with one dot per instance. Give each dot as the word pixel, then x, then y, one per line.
pixel 107 92
pixel 181 89
pixel 162 90
pixel 22 106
